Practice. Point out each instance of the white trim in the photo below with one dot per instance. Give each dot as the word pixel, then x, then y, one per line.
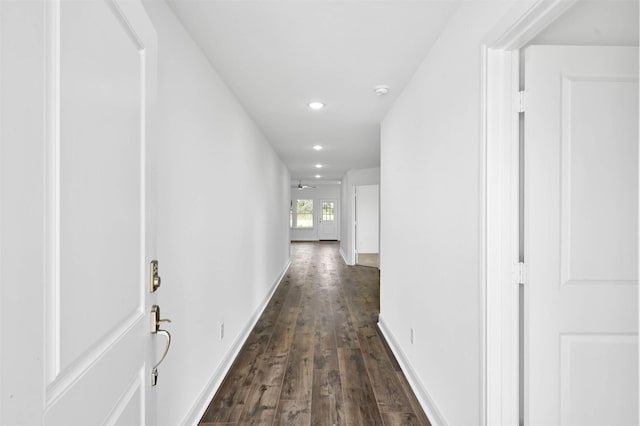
pixel 525 21
pixel 198 409
pixel 482 238
pixel 500 203
pixel 501 242
pixel 422 394
pixel 345 257
pixel 353 226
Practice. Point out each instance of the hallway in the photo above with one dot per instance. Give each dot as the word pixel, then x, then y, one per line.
pixel 157 158
pixel 315 356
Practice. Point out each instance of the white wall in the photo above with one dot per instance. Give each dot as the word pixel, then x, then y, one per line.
pixel 364 176
pixel 367 218
pixel 321 192
pixel 352 179
pixel 594 23
pixel 223 227
pixel 430 219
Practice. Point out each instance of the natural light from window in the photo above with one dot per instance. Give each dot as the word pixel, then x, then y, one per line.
pixel 301 215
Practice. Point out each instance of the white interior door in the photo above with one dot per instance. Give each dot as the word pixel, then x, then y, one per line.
pixel 367 218
pixel 93 336
pixel 99 340
pixel 328 220
pixel 581 236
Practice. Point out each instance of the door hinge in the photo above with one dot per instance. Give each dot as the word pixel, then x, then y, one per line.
pixel 520 101
pixel 520 273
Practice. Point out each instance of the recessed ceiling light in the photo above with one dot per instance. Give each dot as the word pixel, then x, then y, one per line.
pixel 381 90
pixel 318 147
pixel 316 105
pixel 318 176
pixel 318 166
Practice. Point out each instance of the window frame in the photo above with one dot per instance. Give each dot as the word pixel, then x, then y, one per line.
pixel 294 213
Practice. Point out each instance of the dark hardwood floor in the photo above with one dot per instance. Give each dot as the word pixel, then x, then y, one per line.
pixel 315 356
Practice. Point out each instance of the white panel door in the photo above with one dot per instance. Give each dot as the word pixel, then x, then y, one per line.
pixel 581 236
pixel 98 346
pixel 328 220
pixel 367 218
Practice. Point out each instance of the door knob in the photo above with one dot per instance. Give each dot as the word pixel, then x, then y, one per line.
pixel 155 329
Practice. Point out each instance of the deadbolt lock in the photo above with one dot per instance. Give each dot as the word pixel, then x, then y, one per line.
pixel 154 278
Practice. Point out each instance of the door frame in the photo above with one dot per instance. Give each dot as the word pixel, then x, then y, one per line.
pixel 353 226
pixel 499 177
pixel 355 222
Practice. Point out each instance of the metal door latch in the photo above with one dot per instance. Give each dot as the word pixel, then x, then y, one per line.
pixel 155 329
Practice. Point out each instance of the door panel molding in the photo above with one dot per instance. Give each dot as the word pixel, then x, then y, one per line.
pixel 589 277
pixel 53 341
pixel 52 194
pixel 81 365
pixel 108 375
pixel 132 400
pixel 582 349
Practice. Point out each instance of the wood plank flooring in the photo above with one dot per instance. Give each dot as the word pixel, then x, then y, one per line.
pixel 315 356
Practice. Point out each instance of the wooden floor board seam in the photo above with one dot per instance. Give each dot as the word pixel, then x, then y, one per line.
pixel 286 363
pixel 266 347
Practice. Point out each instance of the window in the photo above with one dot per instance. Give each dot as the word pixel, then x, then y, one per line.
pixel 301 215
pixel 327 211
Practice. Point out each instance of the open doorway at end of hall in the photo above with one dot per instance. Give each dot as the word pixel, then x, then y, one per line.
pixel 367 225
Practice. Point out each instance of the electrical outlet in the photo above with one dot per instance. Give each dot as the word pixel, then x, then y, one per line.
pixel 222 331
pixel 413 336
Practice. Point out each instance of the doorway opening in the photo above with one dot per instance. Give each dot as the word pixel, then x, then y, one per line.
pixel 367 225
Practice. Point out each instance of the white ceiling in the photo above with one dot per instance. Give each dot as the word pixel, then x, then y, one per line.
pixel 278 55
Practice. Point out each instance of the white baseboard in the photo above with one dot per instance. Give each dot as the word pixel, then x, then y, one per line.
pixel 424 398
pixel 213 384
pixel 345 258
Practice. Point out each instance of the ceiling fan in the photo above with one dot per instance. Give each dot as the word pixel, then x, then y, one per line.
pixel 301 186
